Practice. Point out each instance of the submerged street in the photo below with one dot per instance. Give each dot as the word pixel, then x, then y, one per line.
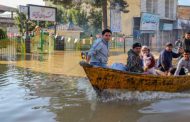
pixel 36 89
pixel 132 49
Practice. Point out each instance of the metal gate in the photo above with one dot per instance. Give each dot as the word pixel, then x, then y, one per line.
pixel 11 47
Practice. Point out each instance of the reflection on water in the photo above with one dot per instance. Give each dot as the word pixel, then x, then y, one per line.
pixel 22 57
pixel 58 63
pixel 18 102
pixel 28 96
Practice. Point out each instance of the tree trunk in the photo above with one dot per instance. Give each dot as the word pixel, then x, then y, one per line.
pixel 104 18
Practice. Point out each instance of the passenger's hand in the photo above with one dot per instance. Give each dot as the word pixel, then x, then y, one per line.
pixel 87 59
pixel 145 69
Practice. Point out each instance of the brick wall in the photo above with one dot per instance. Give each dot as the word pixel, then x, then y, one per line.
pixel 183 12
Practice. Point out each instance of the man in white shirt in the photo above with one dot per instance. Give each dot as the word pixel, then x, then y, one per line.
pixel 184 63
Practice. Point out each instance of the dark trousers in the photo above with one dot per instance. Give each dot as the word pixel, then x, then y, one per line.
pixel 161 69
pixel 182 71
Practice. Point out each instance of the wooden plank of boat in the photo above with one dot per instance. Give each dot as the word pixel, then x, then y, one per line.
pixel 105 78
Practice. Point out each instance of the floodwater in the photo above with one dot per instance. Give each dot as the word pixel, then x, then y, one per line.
pixel 53 88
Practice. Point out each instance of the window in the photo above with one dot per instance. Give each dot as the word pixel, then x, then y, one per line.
pixel 152 6
pixel 148 5
pixel 169 9
pixel 155 6
pixel 172 9
pixel 167 4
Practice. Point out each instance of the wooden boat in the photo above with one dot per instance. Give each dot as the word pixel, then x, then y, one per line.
pixel 105 78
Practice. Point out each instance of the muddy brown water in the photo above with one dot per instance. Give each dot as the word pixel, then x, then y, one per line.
pixel 36 90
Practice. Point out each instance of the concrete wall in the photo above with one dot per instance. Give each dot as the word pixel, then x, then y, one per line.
pixel 69 34
pixel 143 6
pixel 161 8
pixel 127 18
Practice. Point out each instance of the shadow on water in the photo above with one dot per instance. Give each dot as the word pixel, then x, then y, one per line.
pixel 36 97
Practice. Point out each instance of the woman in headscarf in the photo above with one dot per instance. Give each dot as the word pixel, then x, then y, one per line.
pixel 148 60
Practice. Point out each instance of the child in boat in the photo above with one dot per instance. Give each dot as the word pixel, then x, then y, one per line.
pixel 148 60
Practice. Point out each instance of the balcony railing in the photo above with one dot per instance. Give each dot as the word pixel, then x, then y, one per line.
pixel 6 20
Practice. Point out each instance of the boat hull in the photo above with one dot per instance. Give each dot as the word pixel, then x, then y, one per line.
pixel 104 78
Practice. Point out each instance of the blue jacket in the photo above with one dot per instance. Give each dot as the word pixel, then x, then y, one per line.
pixel 165 59
pixel 99 51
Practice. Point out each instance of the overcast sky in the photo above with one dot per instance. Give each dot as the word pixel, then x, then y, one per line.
pixel 15 3
pixel 184 2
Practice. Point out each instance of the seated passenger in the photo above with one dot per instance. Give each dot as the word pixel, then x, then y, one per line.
pixel 184 63
pixel 134 62
pixel 148 60
pixel 173 70
pixel 164 63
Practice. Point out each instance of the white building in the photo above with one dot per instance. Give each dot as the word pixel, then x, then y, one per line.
pixel 167 11
pixel 156 37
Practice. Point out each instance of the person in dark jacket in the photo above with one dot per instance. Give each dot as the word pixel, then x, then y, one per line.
pixel 186 41
pixel 178 43
pixel 134 62
pixel 164 63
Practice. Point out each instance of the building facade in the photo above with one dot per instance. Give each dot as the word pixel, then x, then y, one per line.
pixel 165 32
pixel 6 20
pixel 150 22
pixel 182 24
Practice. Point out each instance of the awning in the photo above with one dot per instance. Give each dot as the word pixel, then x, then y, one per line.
pixel 4 8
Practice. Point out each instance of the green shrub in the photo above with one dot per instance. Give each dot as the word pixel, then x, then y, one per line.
pixel 2 34
pixel 85 47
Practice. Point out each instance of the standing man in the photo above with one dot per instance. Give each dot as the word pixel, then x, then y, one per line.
pixel 165 59
pixel 99 52
pixel 186 41
pixel 134 62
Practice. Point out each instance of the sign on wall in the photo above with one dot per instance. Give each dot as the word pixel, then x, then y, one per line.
pixel 182 24
pixel 167 27
pixel 42 13
pixel 149 21
pixel 115 16
pixel 23 9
